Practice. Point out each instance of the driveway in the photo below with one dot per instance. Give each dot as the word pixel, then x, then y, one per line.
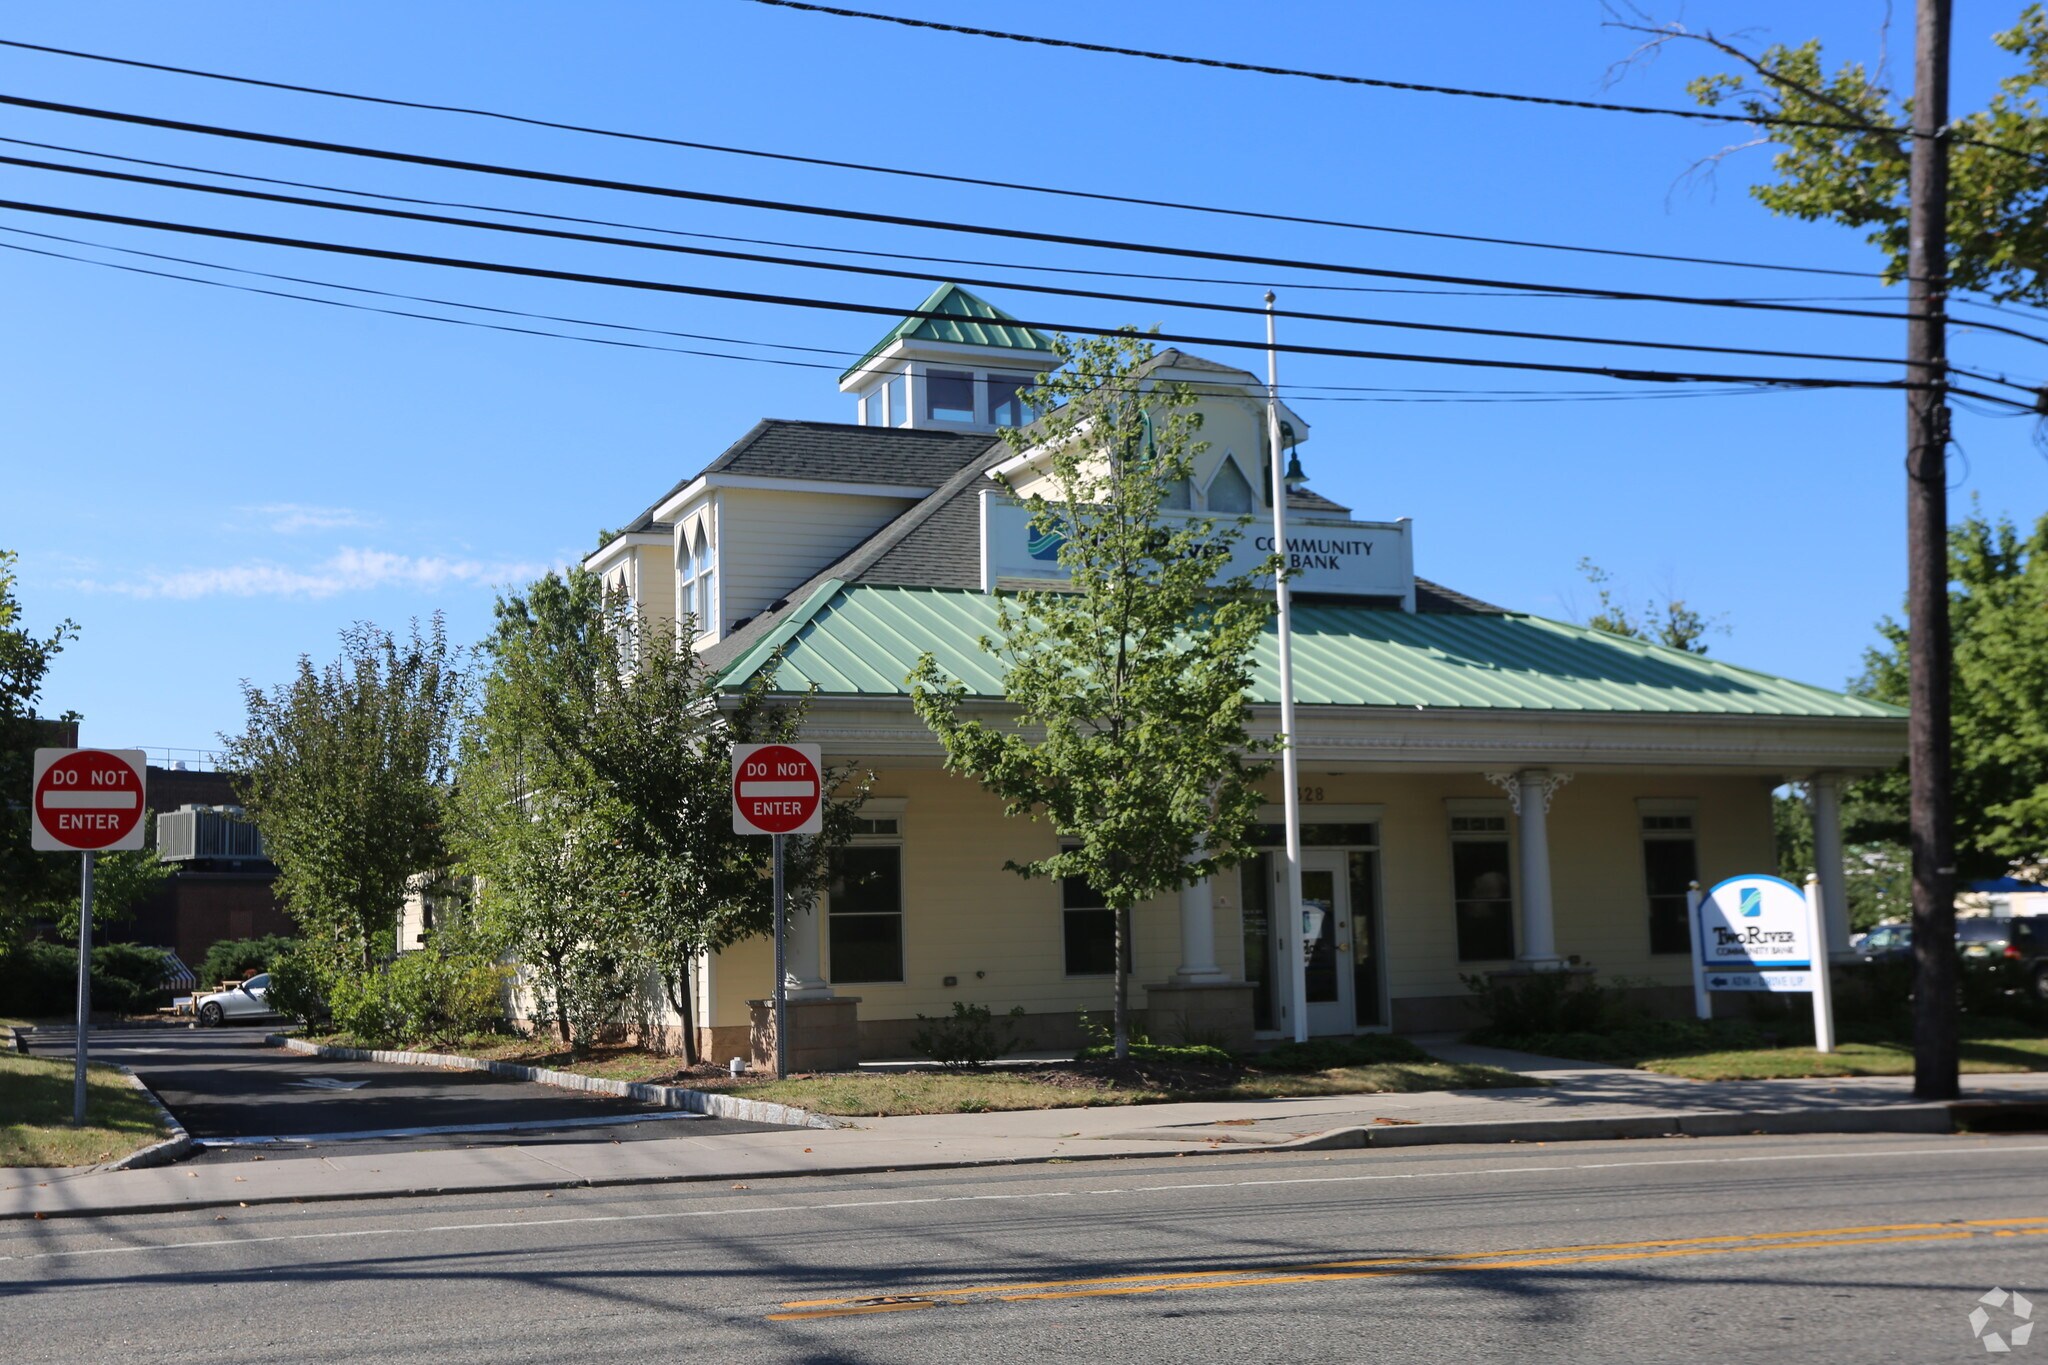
pixel 240 1097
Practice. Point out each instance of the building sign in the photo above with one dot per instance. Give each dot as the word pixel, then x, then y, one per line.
pixel 1338 558
pixel 1754 923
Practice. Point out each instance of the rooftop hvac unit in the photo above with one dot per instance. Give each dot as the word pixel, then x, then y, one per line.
pixel 192 832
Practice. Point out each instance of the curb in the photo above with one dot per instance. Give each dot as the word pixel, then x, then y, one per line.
pixel 1895 1118
pixel 176 1147
pixel 597 1183
pixel 666 1096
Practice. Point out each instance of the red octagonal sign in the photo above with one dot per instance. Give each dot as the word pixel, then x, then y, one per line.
pixel 777 789
pixel 87 800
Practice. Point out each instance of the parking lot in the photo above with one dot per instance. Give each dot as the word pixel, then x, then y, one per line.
pixel 240 1097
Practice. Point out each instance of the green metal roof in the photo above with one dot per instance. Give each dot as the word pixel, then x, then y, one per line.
pixel 863 640
pixel 969 319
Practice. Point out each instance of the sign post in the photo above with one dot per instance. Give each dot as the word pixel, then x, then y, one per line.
pixel 84 801
pixel 778 790
pixel 1758 933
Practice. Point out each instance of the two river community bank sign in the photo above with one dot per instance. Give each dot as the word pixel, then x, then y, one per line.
pixel 1761 933
pixel 1335 558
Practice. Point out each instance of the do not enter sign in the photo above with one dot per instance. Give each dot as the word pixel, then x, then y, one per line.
pixel 87 800
pixel 777 789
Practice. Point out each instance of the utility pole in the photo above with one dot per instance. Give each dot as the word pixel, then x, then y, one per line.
pixel 1932 826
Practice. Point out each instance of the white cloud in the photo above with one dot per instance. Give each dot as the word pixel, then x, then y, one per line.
pixel 289 518
pixel 348 570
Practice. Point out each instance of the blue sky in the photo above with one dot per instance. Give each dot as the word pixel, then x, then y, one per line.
pixel 212 483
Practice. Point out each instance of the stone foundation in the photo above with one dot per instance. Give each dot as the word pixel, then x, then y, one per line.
pixel 824 1035
pixel 1218 1013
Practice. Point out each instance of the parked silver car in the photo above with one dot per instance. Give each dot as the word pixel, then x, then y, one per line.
pixel 249 1000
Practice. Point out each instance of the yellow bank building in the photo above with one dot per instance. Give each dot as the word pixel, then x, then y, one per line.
pixel 1482 790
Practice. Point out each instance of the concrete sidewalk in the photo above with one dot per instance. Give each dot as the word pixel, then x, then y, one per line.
pixel 1566 1100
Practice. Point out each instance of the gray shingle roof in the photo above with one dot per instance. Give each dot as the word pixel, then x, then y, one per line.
pixel 841 452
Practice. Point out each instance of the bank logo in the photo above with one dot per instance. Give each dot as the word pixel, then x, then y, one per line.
pixel 1752 902
pixel 2015 1305
pixel 1045 544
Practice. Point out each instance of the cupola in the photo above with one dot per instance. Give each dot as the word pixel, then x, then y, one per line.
pixel 956 363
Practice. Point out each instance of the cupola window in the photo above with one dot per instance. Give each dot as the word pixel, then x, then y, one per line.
pixel 949 395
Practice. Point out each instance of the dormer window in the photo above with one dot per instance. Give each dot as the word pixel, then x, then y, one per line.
pixel 872 413
pixel 699 586
pixel 1229 491
pixel 949 396
pixel 899 407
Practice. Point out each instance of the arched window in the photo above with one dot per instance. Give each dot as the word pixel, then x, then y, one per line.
pixel 1229 491
pixel 699 595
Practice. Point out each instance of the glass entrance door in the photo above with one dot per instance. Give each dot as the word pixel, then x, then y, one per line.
pixel 1326 942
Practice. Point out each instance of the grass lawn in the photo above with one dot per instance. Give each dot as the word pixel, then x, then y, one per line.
pixel 1364 1066
pixel 35 1100
pixel 871 1094
pixel 1979 1055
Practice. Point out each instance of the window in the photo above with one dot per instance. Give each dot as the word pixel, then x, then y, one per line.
pixel 864 918
pixel 697 592
pixel 872 413
pixel 1088 928
pixel 1230 491
pixel 1671 864
pixel 1006 400
pixel 898 414
pixel 1178 495
pixel 949 396
pixel 1482 888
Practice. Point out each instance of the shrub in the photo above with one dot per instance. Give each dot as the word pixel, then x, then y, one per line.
pixel 1516 1006
pixel 1186 1054
pixel 126 977
pixel 421 997
pixel 298 989
pixel 41 979
pixel 1325 1054
pixel 972 1037
pixel 233 959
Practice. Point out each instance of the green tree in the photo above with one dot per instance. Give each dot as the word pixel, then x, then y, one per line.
pixel 1673 622
pixel 602 730
pixel 30 882
pixel 1998 605
pixel 346 771
pixel 1137 676
pixel 1997 235
pixel 1874 871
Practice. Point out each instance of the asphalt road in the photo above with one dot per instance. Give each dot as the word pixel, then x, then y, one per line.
pixel 1861 1249
pixel 226 1086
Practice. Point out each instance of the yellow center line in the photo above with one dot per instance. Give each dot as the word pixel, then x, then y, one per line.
pixel 1421 1263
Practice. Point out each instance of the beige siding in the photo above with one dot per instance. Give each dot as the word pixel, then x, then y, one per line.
pixel 770 541
pixel 964 914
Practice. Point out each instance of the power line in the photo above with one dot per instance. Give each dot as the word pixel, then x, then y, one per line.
pixel 901 220
pixel 848 268
pixel 875 169
pixel 1602 106
pixel 847 306
pixel 1254 68
pixel 907 255
pixel 1397 395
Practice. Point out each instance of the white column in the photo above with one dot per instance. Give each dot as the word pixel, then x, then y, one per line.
pixel 1825 794
pixel 804 978
pixel 1532 803
pixel 1198 934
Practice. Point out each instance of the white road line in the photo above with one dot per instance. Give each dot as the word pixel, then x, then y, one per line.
pixel 515 1126
pixel 728 1210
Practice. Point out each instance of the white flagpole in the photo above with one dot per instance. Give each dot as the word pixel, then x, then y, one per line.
pixel 1294 940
